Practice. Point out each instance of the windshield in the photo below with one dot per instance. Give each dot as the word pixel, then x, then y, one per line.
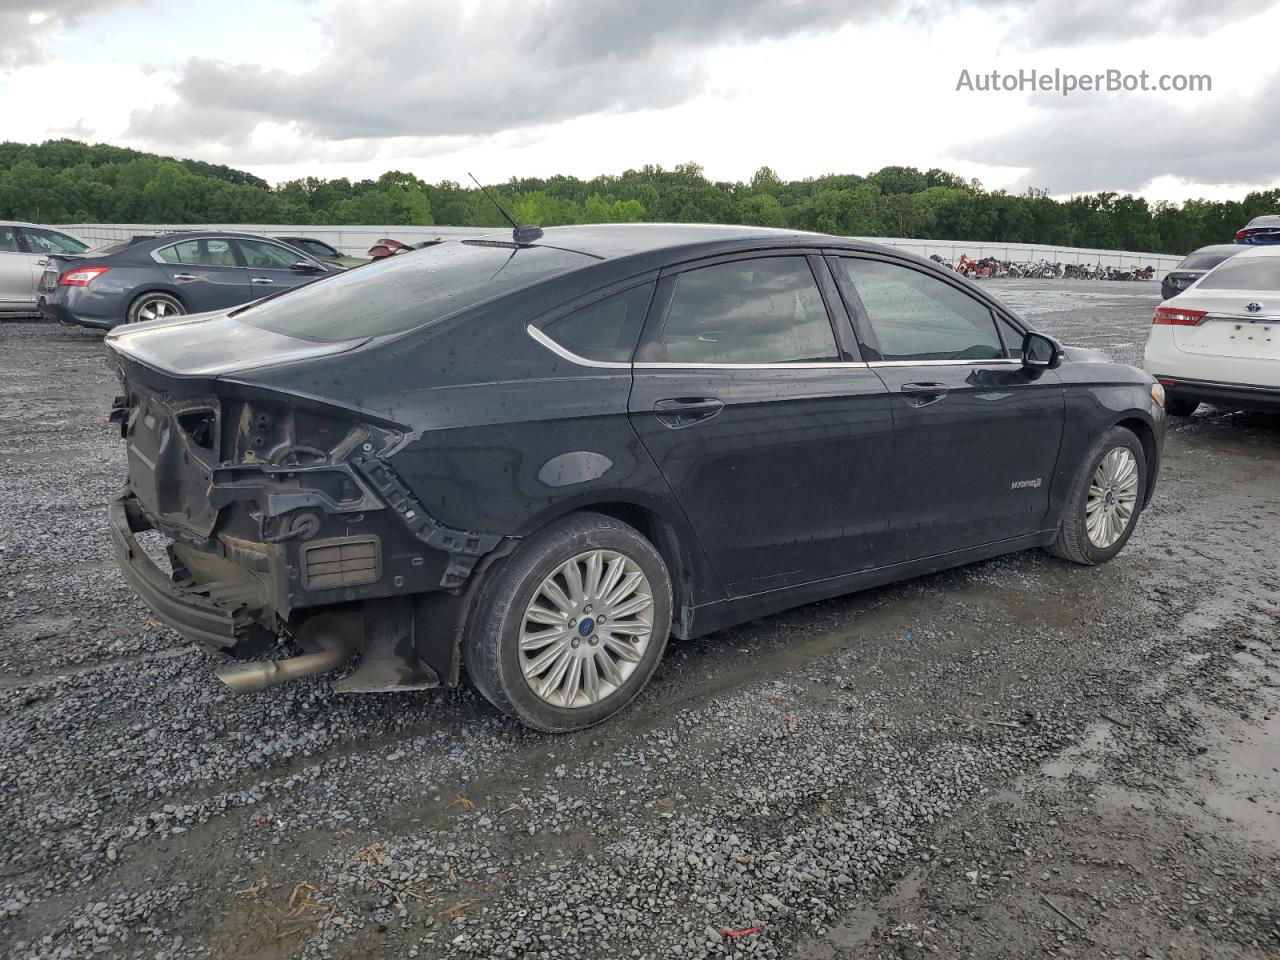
pixel 1244 273
pixel 407 291
pixel 1204 261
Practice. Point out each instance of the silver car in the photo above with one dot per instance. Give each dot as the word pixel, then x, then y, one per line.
pixel 24 253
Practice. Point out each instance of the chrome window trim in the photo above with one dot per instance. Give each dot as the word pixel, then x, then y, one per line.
pixel 943 363
pixel 830 365
pixel 539 337
pixel 565 354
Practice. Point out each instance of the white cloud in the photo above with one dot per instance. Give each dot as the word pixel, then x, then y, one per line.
pixel 514 87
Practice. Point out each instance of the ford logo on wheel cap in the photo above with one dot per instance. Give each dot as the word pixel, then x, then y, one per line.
pixel 1254 308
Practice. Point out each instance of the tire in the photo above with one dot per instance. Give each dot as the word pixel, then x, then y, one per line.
pixel 492 652
pixel 1180 406
pixel 1075 540
pixel 161 305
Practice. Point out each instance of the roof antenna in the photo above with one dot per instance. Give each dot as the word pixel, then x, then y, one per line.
pixel 520 233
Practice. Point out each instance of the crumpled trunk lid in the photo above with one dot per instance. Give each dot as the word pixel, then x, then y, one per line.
pixel 173 414
pixel 211 344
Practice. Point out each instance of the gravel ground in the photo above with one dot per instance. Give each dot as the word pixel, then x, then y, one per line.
pixel 1020 758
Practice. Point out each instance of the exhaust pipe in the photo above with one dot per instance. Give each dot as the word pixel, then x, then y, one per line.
pixel 334 645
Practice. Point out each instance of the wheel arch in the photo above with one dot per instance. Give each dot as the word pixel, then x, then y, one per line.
pixel 1146 434
pixel 138 293
pixel 692 580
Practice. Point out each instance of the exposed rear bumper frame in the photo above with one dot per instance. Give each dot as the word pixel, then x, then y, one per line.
pixel 198 613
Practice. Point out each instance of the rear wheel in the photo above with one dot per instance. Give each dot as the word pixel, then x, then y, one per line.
pixel 1180 406
pixel 1105 499
pixel 154 306
pixel 570 627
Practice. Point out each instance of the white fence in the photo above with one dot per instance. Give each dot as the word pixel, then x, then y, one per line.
pixel 357 240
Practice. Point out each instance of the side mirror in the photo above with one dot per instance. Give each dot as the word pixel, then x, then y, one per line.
pixel 306 266
pixel 1040 352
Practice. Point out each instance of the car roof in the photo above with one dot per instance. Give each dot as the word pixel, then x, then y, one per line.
pixel 615 240
pixel 28 223
pixel 177 236
pixel 1228 248
pixel 1262 250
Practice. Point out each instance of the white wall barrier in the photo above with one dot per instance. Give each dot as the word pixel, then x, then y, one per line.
pixel 356 240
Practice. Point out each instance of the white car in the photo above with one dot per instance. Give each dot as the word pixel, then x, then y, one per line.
pixel 24 253
pixel 1219 340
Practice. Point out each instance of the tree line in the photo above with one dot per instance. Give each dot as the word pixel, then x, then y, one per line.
pixel 66 181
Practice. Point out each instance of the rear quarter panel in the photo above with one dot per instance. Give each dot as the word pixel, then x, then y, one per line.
pixel 501 435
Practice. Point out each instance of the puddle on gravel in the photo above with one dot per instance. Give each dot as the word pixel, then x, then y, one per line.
pixel 1243 785
pixel 1236 787
pixel 1085 758
pixel 858 924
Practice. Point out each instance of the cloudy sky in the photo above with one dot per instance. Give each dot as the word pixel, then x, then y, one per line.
pixel 288 88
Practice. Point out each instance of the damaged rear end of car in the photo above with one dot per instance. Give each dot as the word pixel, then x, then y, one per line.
pixel 280 514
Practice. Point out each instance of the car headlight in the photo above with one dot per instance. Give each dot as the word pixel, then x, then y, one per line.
pixel 1157 394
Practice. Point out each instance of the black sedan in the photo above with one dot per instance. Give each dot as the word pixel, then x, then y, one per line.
pixel 1194 266
pixel 167 276
pixel 539 459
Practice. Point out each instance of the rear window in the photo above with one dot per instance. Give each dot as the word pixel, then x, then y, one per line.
pixel 107 249
pixel 1204 261
pixel 1244 273
pixel 406 291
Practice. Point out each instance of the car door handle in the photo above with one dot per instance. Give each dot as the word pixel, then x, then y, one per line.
pixel 680 412
pixel 42 263
pixel 923 394
pixel 261 280
pixel 184 276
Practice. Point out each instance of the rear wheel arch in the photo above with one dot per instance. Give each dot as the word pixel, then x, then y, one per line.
pixel 674 546
pixel 494 650
pixel 150 291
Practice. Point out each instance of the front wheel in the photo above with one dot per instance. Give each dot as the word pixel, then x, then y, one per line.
pixel 1104 501
pixel 570 627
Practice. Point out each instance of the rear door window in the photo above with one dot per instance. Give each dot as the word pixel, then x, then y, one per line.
pixel 606 331
pixel 762 310
pixel 205 252
pixel 916 317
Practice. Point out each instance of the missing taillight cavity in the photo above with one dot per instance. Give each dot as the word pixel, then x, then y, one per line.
pixel 82 276
pixel 1178 317
pixel 200 426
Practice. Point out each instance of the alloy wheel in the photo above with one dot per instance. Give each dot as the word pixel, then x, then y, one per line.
pixel 157 310
pixel 1113 495
pixel 586 628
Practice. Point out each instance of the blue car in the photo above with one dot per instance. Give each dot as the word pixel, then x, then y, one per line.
pixel 1265 229
pixel 160 277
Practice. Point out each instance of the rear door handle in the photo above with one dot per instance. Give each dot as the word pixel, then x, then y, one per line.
pixel 923 394
pixel 685 411
pixel 261 280
pixel 184 276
